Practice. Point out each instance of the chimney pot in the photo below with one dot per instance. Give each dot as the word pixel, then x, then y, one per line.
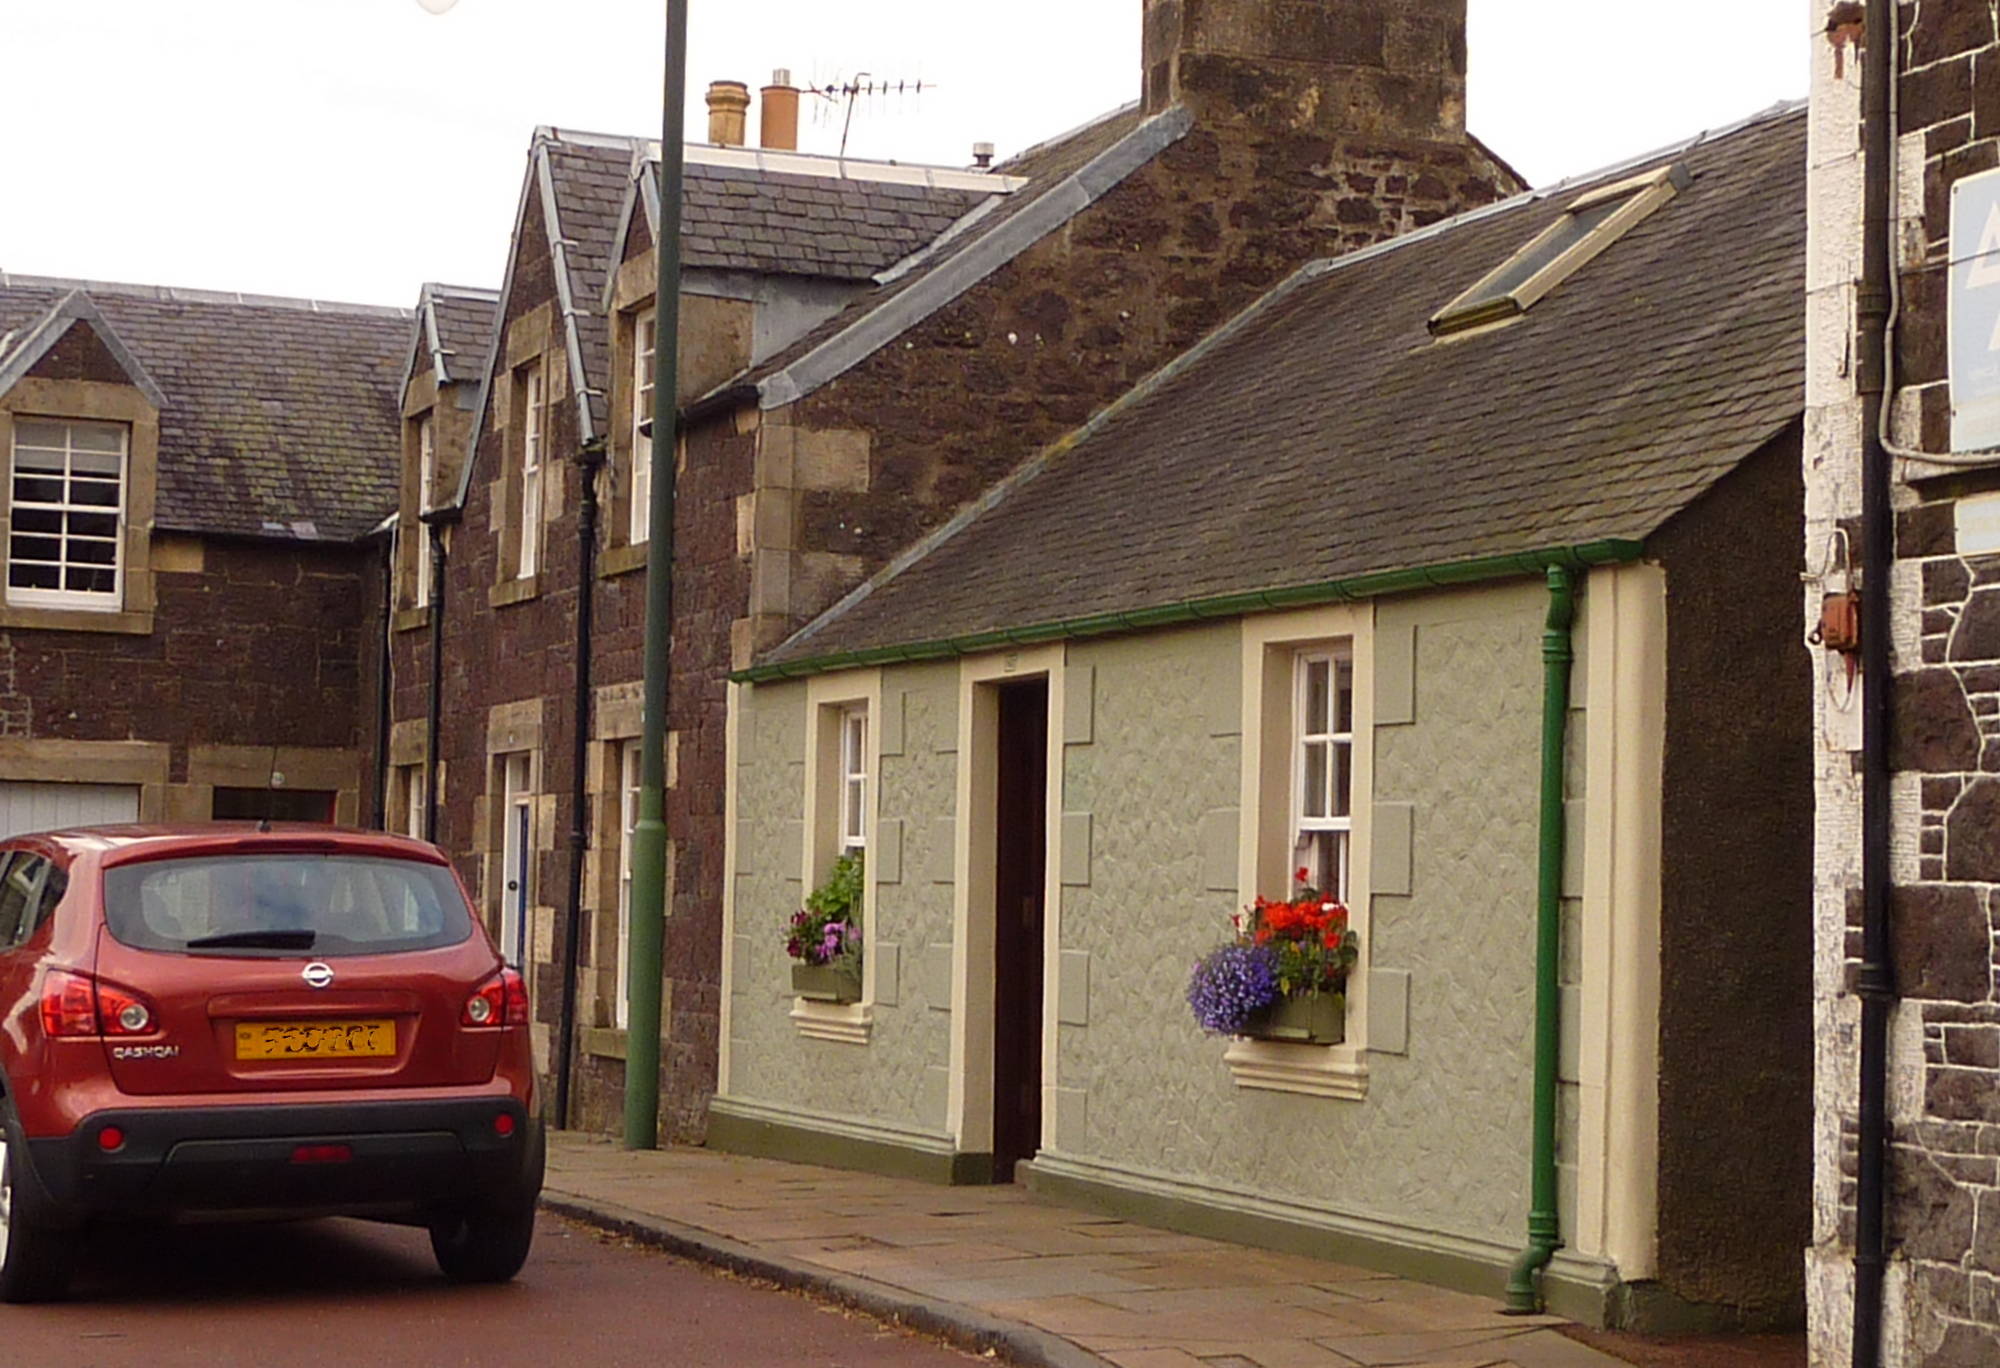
pixel 1366 68
pixel 778 118
pixel 728 108
pixel 982 155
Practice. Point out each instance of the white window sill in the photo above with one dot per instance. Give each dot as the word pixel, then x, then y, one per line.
pixel 844 1023
pixel 1314 1070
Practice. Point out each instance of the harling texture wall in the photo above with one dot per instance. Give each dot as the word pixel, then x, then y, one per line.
pixel 1164 753
pixel 1943 1284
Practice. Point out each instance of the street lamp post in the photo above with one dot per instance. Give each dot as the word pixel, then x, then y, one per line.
pixel 649 836
pixel 649 833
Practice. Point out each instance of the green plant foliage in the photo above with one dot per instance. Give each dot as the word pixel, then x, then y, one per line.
pixel 829 925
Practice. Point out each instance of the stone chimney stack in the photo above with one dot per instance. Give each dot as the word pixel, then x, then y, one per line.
pixel 728 111
pixel 1387 68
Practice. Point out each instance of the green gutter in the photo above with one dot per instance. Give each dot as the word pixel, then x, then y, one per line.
pixel 1544 1224
pixel 1609 551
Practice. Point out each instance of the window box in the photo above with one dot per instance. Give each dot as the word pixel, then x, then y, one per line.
pixel 838 980
pixel 1301 1019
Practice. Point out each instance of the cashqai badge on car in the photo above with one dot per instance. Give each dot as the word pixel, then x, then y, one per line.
pixel 223 1020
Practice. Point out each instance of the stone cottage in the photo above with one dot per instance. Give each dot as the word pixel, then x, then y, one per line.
pixel 1309 596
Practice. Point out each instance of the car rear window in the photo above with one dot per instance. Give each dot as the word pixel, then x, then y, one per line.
pixel 284 904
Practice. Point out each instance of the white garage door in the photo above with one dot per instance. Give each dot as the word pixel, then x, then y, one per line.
pixel 38 807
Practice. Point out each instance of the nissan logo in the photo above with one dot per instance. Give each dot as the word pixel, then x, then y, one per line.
pixel 317 974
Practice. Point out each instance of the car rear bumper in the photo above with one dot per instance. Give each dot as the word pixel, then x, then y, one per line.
pixel 410 1155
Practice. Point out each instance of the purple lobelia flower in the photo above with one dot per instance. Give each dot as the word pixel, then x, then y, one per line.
pixel 1229 983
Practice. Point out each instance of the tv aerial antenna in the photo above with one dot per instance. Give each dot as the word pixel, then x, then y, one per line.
pixel 842 94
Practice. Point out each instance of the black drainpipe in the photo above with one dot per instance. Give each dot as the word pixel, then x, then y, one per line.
pixel 579 824
pixel 1874 983
pixel 436 520
pixel 382 690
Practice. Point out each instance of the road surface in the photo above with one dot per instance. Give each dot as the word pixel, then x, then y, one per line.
pixel 354 1294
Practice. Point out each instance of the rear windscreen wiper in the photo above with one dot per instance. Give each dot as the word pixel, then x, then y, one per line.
pixel 256 940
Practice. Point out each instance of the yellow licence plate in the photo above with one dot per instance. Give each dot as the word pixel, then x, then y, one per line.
pixel 314 1039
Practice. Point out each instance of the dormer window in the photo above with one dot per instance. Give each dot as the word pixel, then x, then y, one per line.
pixel 67 514
pixel 1592 223
pixel 528 478
pixel 426 478
pixel 642 413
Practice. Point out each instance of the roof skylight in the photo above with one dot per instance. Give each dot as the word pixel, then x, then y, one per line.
pixel 1592 223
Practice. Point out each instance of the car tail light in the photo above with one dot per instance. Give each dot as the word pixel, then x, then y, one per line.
pixel 124 1013
pixel 76 1004
pixel 500 1001
pixel 111 1139
pixel 322 1154
pixel 69 1004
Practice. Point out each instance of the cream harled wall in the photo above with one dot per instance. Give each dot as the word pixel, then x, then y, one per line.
pixel 893 1086
pixel 1451 947
pixel 1149 870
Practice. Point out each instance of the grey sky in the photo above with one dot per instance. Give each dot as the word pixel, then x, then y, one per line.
pixel 350 149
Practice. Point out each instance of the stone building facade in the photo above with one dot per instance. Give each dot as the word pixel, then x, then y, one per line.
pixel 214 655
pixel 863 355
pixel 1123 244
pixel 1942 1295
pixel 547 365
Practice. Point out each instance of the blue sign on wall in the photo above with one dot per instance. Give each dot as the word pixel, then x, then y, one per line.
pixel 1975 312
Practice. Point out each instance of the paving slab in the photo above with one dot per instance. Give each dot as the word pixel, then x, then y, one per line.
pixel 1039 1284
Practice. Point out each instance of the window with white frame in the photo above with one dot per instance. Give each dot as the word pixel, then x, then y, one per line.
pixel 413 801
pixel 643 331
pixel 853 779
pixel 534 411
pixel 426 474
pixel 65 542
pixel 628 820
pixel 1323 765
pixel 517 853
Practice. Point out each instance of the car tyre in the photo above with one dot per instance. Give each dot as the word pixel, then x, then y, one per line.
pixel 36 1256
pixel 487 1241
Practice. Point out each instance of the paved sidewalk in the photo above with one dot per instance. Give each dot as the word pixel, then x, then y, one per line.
pixel 995 1268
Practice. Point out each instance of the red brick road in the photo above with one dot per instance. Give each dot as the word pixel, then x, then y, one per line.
pixel 354 1294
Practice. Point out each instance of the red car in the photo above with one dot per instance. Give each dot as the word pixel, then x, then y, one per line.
pixel 226 1019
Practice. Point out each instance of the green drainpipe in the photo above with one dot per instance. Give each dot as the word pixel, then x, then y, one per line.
pixel 1544 1225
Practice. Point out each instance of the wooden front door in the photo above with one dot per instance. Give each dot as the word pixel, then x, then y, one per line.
pixel 1020 857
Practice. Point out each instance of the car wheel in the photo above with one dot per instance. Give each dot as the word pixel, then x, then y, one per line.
pixel 35 1256
pixel 484 1244
pixel 487 1240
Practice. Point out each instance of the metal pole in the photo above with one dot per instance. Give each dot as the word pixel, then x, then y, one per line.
pixel 434 523
pixel 649 834
pixel 579 792
pixel 1874 982
pixel 384 682
pixel 1524 1288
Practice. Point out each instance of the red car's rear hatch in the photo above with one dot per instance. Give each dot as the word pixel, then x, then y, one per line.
pixel 234 1024
pixel 291 971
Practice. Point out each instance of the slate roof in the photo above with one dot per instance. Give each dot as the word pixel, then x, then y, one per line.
pixel 281 416
pixel 842 228
pixel 463 318
pixel 1323 434
pixel 584 184
pixel 587 175
pixel 1045 166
